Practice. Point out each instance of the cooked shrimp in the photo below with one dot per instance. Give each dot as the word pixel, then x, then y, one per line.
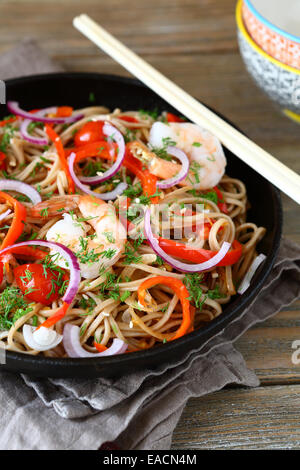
pixel 54 206
pixel 207 159
pixel 95 251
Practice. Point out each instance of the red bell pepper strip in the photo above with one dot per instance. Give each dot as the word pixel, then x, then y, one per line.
pixel 2 161
pixel 173 118
pixel 95 149
pixel 129 119
pixel 19 219
pixel 61 153
pixel 221 204
pixel 58 315
pixel 183 251
pixel 100 347
pixel 181 292
pixel 64 111
pixel 148 180
pixel 8 121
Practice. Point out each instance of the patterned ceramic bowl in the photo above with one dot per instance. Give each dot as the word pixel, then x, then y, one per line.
pixel 278 43
pixel 279 81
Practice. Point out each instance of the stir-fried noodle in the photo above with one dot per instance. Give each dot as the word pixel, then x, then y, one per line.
pixel 200 213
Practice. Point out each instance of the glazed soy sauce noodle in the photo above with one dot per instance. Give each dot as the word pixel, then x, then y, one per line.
pixel 107 306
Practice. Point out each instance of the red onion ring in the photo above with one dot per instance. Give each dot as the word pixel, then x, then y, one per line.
pixel 176 152
pixel 184 267
pixel 73 347
pixel 24 127
pixel 26 136
pixel 250 273
pixel 5 214
pixel 14 108
pixel 68 256
pixel 104 196
pixel 20 187
pixel 109 131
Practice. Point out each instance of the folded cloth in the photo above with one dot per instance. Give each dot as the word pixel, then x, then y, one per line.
pixel 26 59
pixel 139 410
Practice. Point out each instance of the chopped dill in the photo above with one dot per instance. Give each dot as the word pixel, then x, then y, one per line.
pixel 153 114
pixel 131 255
pixel 161 152
pixel 12 307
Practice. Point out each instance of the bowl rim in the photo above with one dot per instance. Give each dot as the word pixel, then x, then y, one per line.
pixel 39 365
pixel 242 29
pixel 270 25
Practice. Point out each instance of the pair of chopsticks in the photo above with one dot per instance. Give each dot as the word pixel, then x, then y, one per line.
pixel 261 161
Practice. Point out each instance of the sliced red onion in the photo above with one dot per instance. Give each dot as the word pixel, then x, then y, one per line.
pixel 73 347
pixel 112 132
pixel 20 187
pixel 67 254
pixel 30 138
pixel 176 152
pixel 41 339
pixel 14 108
pixel 184 267
pixel 5 214
pixel 250 273
pixel 84 188
pixel 24 127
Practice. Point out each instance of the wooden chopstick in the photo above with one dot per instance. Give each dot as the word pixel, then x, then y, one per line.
pixel 264 163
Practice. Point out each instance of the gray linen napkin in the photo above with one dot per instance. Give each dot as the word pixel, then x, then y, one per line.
pixel 140 410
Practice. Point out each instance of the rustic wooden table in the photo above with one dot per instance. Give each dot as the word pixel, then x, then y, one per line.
pixel 194 43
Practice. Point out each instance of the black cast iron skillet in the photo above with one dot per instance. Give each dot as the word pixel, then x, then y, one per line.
pixel 118 92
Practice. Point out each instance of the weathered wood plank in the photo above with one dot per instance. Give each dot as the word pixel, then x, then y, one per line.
pixel 160 26
pixel 267 347
pixel 261 418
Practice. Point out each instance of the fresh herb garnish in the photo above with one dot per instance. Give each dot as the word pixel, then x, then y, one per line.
pixel 109 253
pixel 33 125
pixel 92 97
pixel 133 191
pixel 12 307
pixel 197 296
pixel 211 196
pixel 194 169
pixel 85 255
pixel 129 136
pixel 109 237
pixel 192 283
pixel 8 134
pixel 153 114
pixel 161 152
pixel 44 212
pixel 131 255
pixel 87 304
pixel 125 295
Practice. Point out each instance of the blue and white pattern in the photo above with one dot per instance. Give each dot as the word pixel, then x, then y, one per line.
pixel 281 85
